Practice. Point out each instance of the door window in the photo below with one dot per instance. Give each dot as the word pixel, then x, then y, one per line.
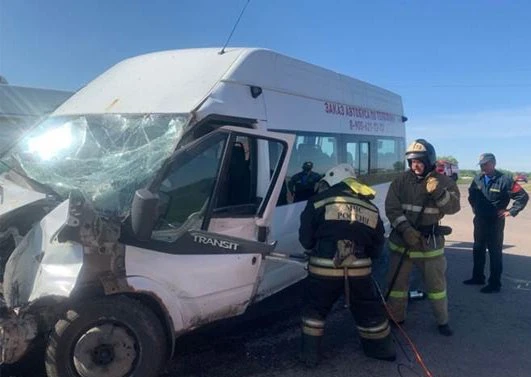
pixel 188 187
pixel 217 185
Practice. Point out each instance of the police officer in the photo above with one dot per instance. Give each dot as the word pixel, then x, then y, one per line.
pixel 302 185
pixel 416 201
pixel 344 230
pixel 489 195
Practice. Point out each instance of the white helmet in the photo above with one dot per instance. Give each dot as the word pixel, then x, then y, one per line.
pixel 338 174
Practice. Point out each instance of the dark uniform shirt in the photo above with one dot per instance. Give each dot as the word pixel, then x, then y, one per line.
pixel 487 199
pixel 302 185
pixel 340 214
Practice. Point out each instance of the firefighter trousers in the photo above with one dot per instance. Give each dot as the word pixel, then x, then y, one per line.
pixel 434 275
pixel 321 292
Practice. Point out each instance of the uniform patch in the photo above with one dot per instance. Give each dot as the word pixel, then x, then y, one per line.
pixel 495 190
pixel 351 213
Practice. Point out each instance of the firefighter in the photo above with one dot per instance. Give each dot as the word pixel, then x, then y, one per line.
pixel 416 201
pixel 343 230
pixel 489 195
pixel 302 185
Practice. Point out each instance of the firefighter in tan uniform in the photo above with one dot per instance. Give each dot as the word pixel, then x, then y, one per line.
pixel 417 200
pixel 343 230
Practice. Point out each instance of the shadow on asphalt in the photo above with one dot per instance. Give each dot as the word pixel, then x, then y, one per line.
pixel 265 340
pixel 469 245
pixel 246 344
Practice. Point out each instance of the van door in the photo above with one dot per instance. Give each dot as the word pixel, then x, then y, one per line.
pixel 217 196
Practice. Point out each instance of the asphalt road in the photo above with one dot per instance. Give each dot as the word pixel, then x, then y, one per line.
pixel 491 331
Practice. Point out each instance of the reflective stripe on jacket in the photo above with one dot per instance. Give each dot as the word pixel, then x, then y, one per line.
pixel 404 202
pixel 352 267
pixel 340 214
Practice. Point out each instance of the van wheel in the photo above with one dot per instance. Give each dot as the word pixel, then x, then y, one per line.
pixel 110 336
pixel 454 177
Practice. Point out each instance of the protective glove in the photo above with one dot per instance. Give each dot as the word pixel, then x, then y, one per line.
pixel 413 238
pixel 432 184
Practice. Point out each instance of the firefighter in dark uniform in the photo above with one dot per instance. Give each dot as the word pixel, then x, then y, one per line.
pixel 343 230
pixel 302 185
pixel 489 195
pixel 416 201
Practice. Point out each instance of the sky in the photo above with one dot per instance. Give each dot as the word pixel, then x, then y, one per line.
pixel 463 68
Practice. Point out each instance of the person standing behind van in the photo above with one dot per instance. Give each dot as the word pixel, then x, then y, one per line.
pixel 344 230
pixel 489 195
pixel 303 184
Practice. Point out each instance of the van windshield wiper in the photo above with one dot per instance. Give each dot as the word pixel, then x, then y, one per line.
pixel 47 189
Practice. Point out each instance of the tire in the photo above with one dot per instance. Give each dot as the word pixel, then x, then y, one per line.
pixel 110 336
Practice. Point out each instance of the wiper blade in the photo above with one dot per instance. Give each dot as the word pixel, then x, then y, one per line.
pixel 41 186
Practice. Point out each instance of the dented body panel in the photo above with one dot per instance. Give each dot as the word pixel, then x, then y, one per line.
pixel 199 286
pixel 41 266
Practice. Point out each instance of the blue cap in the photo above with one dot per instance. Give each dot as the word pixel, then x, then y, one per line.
pixel 486 157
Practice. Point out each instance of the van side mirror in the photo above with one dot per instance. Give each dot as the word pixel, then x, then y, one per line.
pixel 144 213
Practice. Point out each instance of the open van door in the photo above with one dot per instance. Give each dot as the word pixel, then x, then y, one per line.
pixel 210 238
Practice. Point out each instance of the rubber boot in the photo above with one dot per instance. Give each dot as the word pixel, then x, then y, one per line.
pixel 381 349
pixel 311 350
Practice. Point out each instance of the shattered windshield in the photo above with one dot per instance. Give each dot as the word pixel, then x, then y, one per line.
pixel 105 156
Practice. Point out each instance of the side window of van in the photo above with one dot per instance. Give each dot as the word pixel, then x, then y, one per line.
pixel 186 191
pixel 238 186
pixel 358 156
pixel 318 151
pixel 389 156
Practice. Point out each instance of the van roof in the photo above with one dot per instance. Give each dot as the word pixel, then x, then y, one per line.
pixel 177 81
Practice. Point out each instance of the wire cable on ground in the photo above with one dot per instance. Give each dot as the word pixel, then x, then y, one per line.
pixel 416 352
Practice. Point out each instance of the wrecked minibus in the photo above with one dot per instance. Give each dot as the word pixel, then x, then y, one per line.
pixel 155 200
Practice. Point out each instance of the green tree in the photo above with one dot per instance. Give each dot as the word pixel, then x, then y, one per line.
pixel 451 159
pixel 399 165
pixel 506 172
pixel 468 172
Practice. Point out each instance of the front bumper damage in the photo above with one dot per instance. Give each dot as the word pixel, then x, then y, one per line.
pixel 69 250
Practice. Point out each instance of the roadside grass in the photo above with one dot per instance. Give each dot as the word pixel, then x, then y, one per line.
pixel 464 180
pixel 467 180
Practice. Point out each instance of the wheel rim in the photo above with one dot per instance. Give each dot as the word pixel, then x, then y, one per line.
pixel 105 350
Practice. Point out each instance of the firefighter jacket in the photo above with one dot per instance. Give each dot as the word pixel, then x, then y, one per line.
pixel 405 199
pixel 339 214
pixel 487 199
